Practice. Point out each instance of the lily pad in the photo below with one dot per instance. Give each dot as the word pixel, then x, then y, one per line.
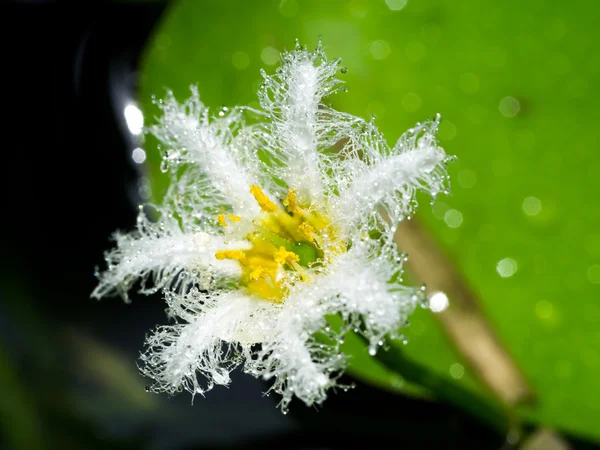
pixel 514 82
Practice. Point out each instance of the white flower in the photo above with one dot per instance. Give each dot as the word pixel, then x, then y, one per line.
pixel 268 228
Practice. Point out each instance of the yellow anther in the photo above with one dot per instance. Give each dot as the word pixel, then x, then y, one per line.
pixel 291 202
pixel 237 255
pixel 308 231
pixel 261 198
pixel 268 269
pixel 257 273
pixel 282 256
pixel 222 219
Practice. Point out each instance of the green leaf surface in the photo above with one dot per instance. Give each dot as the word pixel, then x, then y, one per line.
pixel 515 82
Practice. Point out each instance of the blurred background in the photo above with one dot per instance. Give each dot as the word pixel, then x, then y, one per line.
pixel 518 236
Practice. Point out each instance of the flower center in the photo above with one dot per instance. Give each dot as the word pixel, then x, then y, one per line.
pixel 286 243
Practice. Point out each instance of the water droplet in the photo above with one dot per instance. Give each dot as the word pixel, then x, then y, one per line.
pixel 380 49
pixel 438 302
pixel 509 106
pixel 467 178
pixel 138 155
pixel 593 273
pixel 457 371
pixel 240 60
pixel 506 267
pixel 544 310
pixel 396 5
pixel 532 206
pixel 453 218
pixel 270 56
pixel 411 102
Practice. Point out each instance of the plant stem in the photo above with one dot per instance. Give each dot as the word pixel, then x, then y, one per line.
pixel 485 409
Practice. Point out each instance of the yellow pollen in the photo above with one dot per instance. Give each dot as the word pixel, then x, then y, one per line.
pixel 308 231
pixel 222 219
pixel 282 256
pixel 257 273
pixel 237 255
pixel 291 202
pixel 261 198
pixel 280 238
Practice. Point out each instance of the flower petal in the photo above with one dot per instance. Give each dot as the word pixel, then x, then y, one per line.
pixel 165 254
pixel 363 285
pixel 224 167
pixel 197 355
pixel 390 177
pixel 299 365
pixel 292 101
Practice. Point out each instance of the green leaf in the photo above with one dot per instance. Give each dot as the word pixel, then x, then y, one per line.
pixel 515 84
pixel 371 370
pixel 483 407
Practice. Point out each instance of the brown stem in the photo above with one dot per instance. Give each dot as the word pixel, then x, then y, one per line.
pixel 463 320
pixel 545 439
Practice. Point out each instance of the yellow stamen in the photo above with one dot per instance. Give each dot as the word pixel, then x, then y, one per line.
pixel 282 256
pixel 257 273
pixel 237 255
pixel 268 266
pixel 261 198
pixel 291 202
pixel 308 231
pixel 222 219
